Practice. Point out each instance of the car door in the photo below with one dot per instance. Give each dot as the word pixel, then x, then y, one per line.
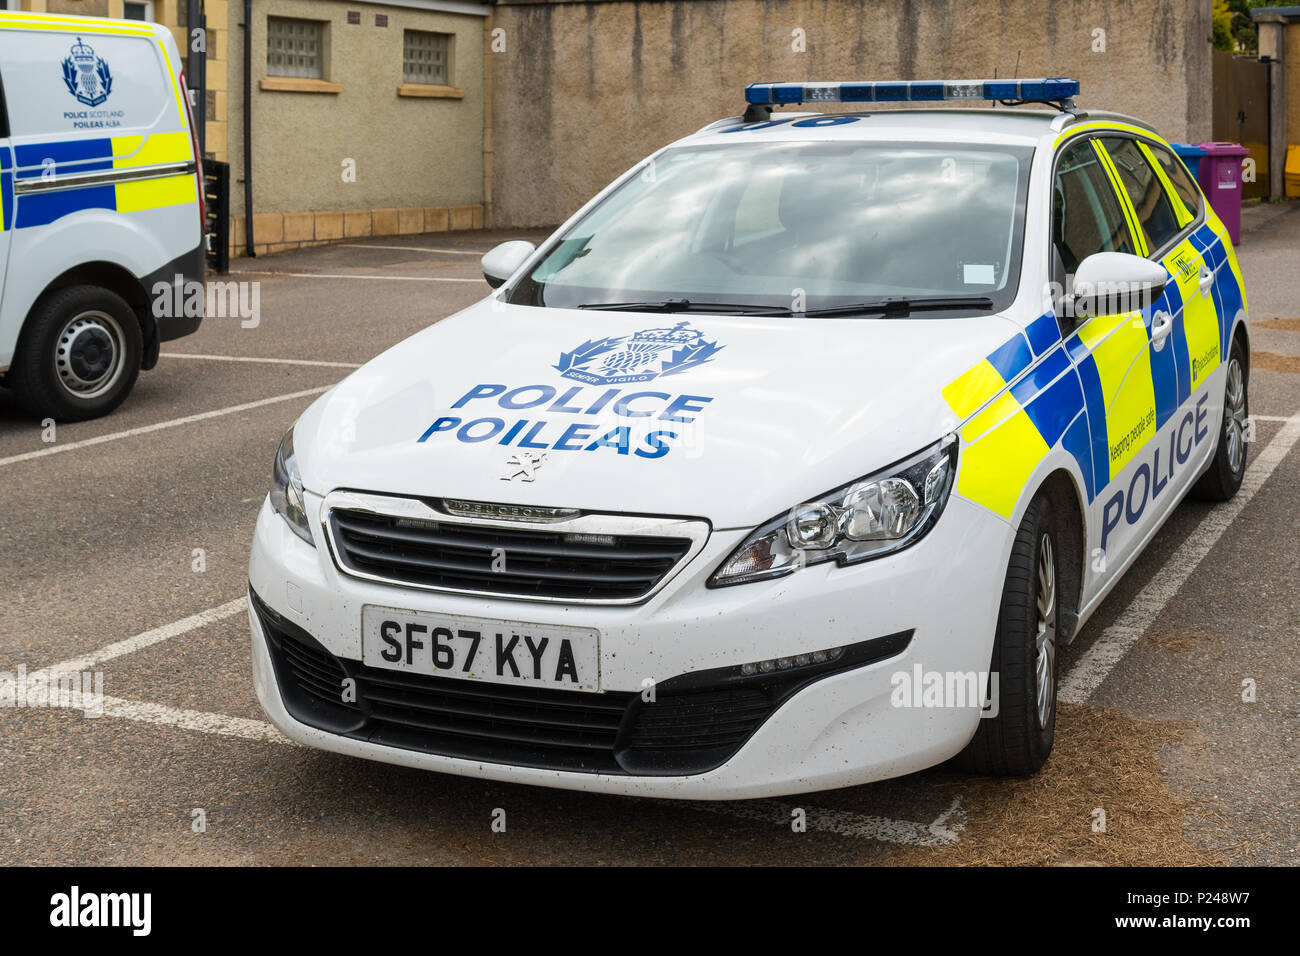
pixel 1089 216
pixel 1183 327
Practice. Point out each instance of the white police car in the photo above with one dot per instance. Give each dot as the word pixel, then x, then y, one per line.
pixel 793 432
pixel 101 208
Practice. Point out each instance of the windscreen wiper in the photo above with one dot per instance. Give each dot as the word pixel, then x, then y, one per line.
pixel 686 305
pixel 903 306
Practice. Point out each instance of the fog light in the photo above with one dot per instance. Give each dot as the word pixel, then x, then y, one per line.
pixel 789 663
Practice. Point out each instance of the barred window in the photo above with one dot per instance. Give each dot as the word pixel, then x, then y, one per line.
pixel 295 48
pixel 426 58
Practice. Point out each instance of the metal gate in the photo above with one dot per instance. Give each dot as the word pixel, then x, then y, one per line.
pixel 1241 112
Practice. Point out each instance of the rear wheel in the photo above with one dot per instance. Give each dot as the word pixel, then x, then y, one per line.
pixel 1229 465
pixel 78 356
pixel 1019 738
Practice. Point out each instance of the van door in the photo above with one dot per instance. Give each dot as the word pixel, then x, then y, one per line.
pixel 6 197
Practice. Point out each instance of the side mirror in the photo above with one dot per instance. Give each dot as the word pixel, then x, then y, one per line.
pixel 500 263
pixel 1108 283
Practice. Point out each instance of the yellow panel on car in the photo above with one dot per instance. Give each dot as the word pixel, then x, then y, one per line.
pixel 972 389
pixel 995 468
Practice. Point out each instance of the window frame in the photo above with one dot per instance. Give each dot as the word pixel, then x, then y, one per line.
pixel 449 58
pixel 148 10
pixel 1155 255
pixel 1085 142
pixel 323 57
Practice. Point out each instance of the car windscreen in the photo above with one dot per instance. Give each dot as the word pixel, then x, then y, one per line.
pixel 799 226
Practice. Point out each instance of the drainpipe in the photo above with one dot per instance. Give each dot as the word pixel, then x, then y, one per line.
pixel 248 128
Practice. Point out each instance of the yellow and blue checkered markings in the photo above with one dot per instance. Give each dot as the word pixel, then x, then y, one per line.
pixel 36 161
pixel 1017 426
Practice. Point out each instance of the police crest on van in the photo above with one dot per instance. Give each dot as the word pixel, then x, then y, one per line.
pixel 86 75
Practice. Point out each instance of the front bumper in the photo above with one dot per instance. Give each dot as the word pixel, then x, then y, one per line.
pixel 933 605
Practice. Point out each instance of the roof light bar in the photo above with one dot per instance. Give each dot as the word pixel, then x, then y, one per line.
pixel 1047 89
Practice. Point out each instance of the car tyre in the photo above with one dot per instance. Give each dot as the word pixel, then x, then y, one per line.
pixel 1019 738
pixel 1228 467
pixel 78 355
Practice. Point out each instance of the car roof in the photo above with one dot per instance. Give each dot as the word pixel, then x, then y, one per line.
pixel 1006 126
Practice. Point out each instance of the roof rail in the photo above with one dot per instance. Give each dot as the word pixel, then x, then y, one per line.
pixel 1083 116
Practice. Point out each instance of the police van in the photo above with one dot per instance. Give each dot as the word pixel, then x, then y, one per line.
pixel 790 462
pixel 101 205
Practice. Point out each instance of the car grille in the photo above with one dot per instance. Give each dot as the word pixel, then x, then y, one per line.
pixel 695 723
pixel 508 561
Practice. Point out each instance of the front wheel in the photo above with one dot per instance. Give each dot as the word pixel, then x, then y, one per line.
pixel 1019 738
pixel 78 356
pixel 1228 468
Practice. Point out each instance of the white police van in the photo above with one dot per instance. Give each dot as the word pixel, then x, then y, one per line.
pixel 101 205
pixel 789 462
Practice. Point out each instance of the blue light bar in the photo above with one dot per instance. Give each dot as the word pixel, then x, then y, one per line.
pixel 1048 89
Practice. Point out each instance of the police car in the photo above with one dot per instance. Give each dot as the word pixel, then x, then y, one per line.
pixel 790 462
pixel 101 208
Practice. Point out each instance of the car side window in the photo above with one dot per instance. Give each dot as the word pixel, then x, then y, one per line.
pixel 1086 214
pixel 1154 211
pixel 1180 178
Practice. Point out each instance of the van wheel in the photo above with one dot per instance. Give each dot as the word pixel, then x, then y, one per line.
pixel 78 355
pixel 1229 465
pixel 1019 738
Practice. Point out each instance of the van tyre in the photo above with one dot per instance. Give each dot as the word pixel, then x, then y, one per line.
pixel 1228 467
pixel 78 355
pixel 1026 649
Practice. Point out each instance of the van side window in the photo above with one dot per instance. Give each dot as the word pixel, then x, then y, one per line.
pixel 1154 211
pixel 1086 215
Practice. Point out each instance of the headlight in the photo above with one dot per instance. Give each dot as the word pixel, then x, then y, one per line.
pixel 286 489
pixel 867 518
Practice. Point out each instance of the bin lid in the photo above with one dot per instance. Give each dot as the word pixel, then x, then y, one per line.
pixel 1224 149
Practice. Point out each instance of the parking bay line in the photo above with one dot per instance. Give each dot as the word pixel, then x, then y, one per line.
pixel 453 252
pixel 338 275
pixel 1096 663
pixel 159 426
pixel 945 830
pixel 257 359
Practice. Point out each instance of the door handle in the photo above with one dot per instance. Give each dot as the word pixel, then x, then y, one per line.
pixel 1207 280
pixel 1161 325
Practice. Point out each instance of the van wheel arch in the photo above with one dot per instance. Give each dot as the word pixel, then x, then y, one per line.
pixel 122 282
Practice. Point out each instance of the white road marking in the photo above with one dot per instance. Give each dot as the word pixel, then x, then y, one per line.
pixel 201 721
pixel 159 426
pixel 333 275
pixel 1274 418
pixel 267 361
pixel 1095 664
pixel 945 830
pixel 453 252
pixel 148 638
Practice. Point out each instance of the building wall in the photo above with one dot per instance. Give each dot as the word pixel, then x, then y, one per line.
pixel 418 160
pixel 585 88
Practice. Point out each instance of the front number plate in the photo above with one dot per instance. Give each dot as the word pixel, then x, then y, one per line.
pixel 469 648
